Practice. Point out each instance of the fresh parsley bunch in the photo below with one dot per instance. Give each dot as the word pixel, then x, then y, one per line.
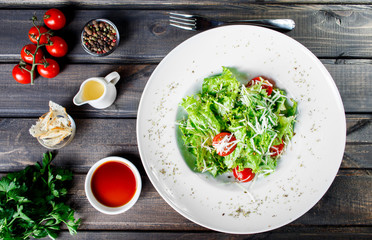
pixel 32 202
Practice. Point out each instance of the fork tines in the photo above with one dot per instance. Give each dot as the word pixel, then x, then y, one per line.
pixel 184 21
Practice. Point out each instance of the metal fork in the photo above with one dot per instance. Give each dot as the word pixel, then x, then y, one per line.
pixel 194 22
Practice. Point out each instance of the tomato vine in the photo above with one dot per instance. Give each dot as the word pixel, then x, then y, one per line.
pixel 34 64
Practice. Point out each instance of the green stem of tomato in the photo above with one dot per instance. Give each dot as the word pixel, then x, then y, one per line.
pixel 38 45
pixel 23 68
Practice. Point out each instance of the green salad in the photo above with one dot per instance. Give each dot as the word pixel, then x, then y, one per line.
pixel 233 127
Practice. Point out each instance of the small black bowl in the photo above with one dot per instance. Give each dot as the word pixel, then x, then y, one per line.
pixel 95 53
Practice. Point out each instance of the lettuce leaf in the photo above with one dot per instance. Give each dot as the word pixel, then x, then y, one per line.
pixel 258 122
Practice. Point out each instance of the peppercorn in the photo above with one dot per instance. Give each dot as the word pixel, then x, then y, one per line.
pixel 99 37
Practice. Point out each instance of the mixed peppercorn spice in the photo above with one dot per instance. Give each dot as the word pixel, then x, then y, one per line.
pixel 99 37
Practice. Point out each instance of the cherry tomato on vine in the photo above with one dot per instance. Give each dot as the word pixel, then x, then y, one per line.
pixel 28 50
pixel 33 35
pixel 54 19
pixel 245 175
pixel 224 143
pixel 277 149
pixel 265 85
pixel 58 47
pixel 49 69
pixel 22 75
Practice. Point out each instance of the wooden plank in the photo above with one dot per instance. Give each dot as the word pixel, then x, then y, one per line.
pixel 343 204
pixel 355 93
pixel 336 30
pixel 94 139
pixel 63 88
pixel 98 138
pixel 339 30
pixel 287 232
pixel 357 155
pixel 359 129
pixel 160 4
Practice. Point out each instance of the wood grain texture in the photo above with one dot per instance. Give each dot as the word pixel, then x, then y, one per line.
pixel 63 88
pixel 287 233
pixel 94 139
pixel 98 138
pixel 160 4
pixel 336 30
pixel 355 94
pixel 343 204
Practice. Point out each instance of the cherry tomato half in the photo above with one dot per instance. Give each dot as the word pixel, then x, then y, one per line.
pixel 21 75
pixel 50 69
pixel 58 47
pixel 54 19
pixel 245 175
pixel 267 84
pixel 224 143
pixel 33 35
pixel 277 149
pixel 28 50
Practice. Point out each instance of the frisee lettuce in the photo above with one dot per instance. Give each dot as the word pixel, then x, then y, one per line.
pixel 258 122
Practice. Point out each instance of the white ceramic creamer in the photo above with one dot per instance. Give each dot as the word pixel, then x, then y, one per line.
pixel 98 92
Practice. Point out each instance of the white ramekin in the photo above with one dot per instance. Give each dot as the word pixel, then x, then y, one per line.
pixel 99 206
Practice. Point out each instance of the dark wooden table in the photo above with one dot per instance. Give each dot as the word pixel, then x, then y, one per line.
pixel 339 33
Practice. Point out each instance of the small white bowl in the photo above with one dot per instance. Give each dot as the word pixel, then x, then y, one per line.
pixel 112 210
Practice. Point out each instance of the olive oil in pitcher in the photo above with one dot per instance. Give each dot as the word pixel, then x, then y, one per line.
pixel 93 90
pixel 98 92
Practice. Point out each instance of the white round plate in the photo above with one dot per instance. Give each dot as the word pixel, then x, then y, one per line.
pixel 304 172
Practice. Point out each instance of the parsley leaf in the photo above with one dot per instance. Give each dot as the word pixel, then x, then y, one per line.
pixel 32 202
